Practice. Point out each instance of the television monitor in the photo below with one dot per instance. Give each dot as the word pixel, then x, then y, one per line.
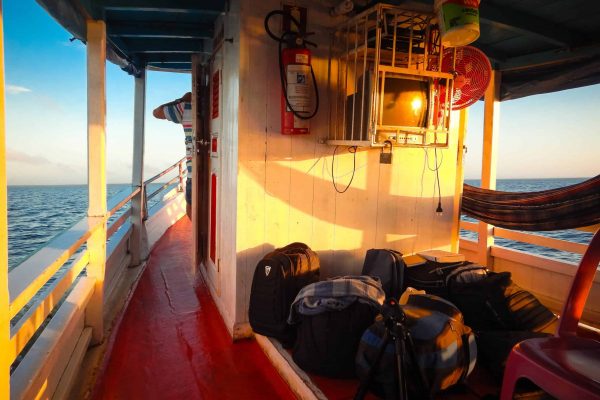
pixel 405 106
pixel 405 102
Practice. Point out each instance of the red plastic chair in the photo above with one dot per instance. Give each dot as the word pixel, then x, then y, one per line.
pixel 565 366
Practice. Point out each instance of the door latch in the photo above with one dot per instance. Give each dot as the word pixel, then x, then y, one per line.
pixel 199 143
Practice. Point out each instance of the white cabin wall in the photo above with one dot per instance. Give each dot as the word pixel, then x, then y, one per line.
pixel 284 187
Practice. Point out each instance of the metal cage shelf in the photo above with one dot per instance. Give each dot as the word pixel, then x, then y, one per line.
pixel 385 80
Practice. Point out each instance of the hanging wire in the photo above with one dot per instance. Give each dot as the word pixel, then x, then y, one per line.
pixel 351 149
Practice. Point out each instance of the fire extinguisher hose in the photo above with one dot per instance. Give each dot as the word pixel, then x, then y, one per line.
pixel 286 37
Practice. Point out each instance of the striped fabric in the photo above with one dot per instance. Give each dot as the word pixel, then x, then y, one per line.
pixel 569 207
pixel 336 294
pixel 181 113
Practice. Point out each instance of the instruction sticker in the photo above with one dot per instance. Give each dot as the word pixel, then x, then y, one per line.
pixel 298 88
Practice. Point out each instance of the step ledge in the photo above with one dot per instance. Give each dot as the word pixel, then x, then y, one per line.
pixel 298 381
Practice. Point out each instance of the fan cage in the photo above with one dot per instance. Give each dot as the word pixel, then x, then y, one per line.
pixel 380 44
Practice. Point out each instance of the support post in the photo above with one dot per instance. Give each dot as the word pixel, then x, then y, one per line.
pixel 180 167
pixel 4 297
pixel 96 102
pixel 463 118
pixel 489 158
pixel 139 240
pixel 198 163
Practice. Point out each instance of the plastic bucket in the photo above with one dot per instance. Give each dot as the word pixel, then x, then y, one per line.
pixel 458 20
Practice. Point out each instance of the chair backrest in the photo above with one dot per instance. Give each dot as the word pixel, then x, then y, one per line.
pixel 580 288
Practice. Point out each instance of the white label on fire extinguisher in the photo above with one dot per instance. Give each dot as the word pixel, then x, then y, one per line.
pixel 301 58
pixel 299 88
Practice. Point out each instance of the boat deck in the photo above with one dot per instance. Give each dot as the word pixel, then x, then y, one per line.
pixel 172 343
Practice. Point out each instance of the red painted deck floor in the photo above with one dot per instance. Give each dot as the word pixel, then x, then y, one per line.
pixel 173 344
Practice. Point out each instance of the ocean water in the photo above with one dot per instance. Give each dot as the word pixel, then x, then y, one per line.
pixel 36 214
pixel 535 185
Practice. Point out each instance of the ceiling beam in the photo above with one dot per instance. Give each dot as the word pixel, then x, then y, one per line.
pixel 172 6
pixel 522 23
pixel 177 67
pixel 165 46
pixel 160 30
pixel 549 57
pixel 165 57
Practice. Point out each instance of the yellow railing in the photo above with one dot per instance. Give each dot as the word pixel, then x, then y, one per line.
pixel 31 303
pixel 529 238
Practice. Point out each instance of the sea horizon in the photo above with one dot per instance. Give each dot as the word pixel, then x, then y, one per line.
pixel 129 183
pixel 36 213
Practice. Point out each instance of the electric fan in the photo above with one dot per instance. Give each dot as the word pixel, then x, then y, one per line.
pixel 472 72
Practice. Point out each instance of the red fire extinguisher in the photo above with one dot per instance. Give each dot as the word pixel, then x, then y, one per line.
pixel 298 103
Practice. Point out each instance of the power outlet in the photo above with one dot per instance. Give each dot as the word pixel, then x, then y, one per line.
pixel 407 138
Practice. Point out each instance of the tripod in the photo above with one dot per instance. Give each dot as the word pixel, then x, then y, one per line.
pixel 395 330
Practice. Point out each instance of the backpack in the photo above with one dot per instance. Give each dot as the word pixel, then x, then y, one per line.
pixel 435 278
pixel 526 311
pixel 278 278
pixel 388 266
pixel 495 303
pixel 332 316
pixel 326 343
pixel 445 348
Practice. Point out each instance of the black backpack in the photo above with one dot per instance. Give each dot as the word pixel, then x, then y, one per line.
pixel 495 303
pixel 388 266
pixel 278 278
pixel 435 278
pixel 327 342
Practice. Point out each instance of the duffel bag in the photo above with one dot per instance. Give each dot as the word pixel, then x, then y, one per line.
pixel 495 303
pixel 435 278
pixel 331 316
pixel 444 347
pixel 278 278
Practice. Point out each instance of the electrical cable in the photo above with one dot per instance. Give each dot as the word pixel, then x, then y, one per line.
pixel 439 208
pixel 299 38
pixel 351 149
pixel 436 169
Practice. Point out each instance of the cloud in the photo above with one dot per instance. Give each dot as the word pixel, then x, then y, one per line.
pixel 14 89
pixel 31 159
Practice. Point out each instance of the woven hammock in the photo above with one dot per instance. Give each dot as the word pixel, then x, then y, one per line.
pixel 568 207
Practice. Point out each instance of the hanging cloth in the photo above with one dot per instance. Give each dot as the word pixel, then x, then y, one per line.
pixel 568 207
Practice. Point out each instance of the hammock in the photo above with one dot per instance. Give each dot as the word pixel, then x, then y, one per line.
pixel 568 207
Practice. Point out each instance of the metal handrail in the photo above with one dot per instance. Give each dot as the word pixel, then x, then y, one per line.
pixel 163 187
pixel 530 238
pixel 166 171
pixel 29 277
pixel 182 172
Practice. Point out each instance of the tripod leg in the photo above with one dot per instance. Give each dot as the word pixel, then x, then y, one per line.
pixel 364 384
pixel 400 348
pixel 425 389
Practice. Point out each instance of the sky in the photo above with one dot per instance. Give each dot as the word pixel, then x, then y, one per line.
pixel 46 106
pixel 545 136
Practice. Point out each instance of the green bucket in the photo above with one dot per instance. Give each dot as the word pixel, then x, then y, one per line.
pixel 458 21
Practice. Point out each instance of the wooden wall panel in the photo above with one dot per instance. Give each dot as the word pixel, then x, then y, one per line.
pixel 284 187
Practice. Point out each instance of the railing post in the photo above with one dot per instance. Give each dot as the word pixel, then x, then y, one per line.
pixel 138 245
pixel 4 298
pixel 459 180
pixel 491 118
pixel 181 164
pixel 96 102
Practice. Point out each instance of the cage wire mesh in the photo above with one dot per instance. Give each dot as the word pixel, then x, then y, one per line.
pixel 386 83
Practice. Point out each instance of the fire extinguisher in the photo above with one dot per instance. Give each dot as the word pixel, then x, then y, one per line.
pixel 296 74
